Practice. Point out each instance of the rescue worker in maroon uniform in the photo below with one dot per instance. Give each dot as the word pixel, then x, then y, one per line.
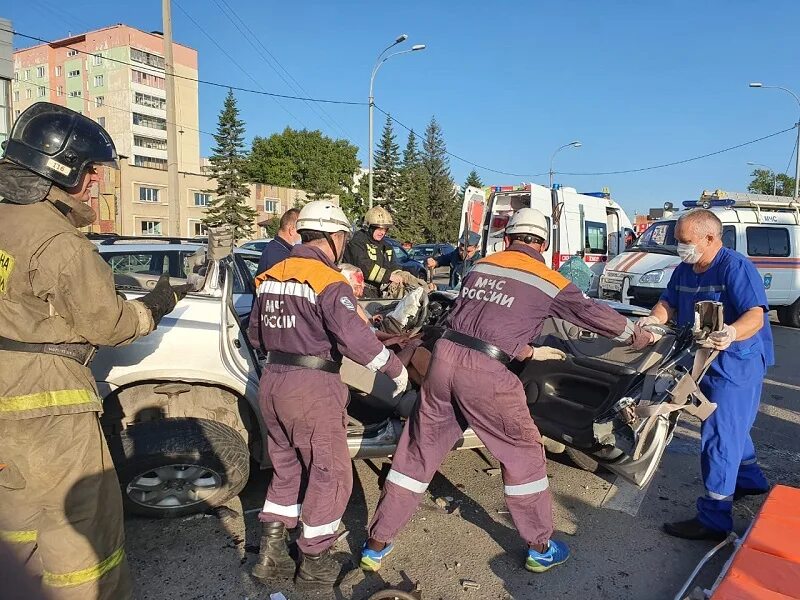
pixel 60 501
pixel 305 320
pixel 504 301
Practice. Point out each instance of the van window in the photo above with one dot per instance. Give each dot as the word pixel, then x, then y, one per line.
pixel 729 237
pixel 768 241
pixel 595 241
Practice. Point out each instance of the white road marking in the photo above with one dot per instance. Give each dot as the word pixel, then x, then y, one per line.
pixel 624 497
pixel 783 385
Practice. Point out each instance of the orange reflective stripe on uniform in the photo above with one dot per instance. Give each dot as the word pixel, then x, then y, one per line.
pixel 305 270
pixel 18 537
pixel 522 262
pixel 93 573
pixel 47 400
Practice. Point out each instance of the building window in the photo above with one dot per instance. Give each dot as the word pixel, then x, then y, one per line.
pixel 72 52
pixel 149 162
pixel 74 73
pixel 16 96
pixel 202 199
pixel 97 60
pixel 26 75
pixel 99 101
pixel 197 229
pixel 41 92
pixel 148 142
pixel 98 81
pixel 270 205
pixel 102 122
pixel 75 94
pixel 768 241
pixel 60 90
pixel 146 58
pixel 151 227
pixel 40 72
pixel 149 101
pixel 148 194
pixel 147 79
pixel 148 121
pixel 58 71
pixel 28 93
pixel 16 75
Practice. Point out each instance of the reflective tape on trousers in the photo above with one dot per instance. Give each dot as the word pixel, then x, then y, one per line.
pixel 404 481
pixel 18 537
pixel 46 400
pixel 525 489
pixel 282 510
pixel 93 573
pixel 312 531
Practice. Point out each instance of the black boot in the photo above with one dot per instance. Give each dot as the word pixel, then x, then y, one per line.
pixel 694 530
pixel 274 561
pixel 326 570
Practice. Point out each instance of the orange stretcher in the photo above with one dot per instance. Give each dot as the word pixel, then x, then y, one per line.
pixel 765 564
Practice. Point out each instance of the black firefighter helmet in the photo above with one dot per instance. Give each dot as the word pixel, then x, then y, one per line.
pixel 58 143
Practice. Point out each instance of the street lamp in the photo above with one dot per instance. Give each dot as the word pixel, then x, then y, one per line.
pixel 575 144
pixel 382 59
pixel 758 84
pixel 774 176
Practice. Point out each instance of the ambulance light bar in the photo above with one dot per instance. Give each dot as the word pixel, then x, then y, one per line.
pixel 708 203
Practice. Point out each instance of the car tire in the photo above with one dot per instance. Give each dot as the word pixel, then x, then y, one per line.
pixel 175 467
pixel 789 316
pixel 584 461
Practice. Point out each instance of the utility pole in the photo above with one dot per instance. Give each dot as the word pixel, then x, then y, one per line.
pixel 173 193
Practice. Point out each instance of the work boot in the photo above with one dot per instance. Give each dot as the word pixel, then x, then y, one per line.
pixel 693 529
pixel 274 561
pixel 326 570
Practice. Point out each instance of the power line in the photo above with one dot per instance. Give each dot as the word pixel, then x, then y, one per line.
pixel 791 156
pixel 680 162
pixel 230 58
pixel 326 117
pixel 203 81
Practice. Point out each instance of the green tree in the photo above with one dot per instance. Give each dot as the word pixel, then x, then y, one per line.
pixel 230 205
pixel 473 180
pixel 443 206
pixel 304 159
pixel 386 183
pixel 764 179
pixel 412 207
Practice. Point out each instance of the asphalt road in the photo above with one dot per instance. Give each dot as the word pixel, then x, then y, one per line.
pixel 618 549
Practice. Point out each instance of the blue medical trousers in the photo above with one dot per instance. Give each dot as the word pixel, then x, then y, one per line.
pixel 728 458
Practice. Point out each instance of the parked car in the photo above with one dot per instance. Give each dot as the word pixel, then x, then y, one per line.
pixel 404 261
pixel 422 252
pixel 256 245
pixel 181 405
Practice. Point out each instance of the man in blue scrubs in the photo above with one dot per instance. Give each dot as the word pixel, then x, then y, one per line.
pixel 711 272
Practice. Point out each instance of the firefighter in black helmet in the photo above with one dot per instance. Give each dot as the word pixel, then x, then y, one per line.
pixel 60 502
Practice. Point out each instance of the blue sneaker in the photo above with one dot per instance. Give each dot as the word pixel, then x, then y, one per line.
pixel 371 559
pixel 539 562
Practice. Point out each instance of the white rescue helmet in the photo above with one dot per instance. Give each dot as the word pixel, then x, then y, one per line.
pixel 324 216
pixel 528 221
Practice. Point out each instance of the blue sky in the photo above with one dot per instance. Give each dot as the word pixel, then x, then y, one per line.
pixel 638 82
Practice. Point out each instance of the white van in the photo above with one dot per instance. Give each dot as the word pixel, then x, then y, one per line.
pixel 591 226
pixel 764 228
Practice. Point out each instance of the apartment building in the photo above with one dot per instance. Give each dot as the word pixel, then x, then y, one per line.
pixel 115 75
pixel 6 75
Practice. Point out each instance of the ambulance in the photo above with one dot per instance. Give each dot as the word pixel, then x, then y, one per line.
pixel 764 228
pixel 591 226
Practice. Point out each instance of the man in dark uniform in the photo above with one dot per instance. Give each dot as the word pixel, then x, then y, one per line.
pixel 279 248
pixel 460 260
pixel 371 253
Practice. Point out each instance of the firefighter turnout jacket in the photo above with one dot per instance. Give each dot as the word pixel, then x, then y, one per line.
pixel 375 259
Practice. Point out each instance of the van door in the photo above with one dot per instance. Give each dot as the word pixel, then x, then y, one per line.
pixel 770 249
pixel 473 209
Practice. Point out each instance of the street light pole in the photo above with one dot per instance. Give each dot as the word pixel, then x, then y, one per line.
pixel 575 144
pixel 797 126
pixel 774 176
pixel 382 59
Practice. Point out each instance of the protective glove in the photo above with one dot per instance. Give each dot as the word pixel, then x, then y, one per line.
pixel 163 298
pixel 547 353
pixel 648 320
pixel 400 382
pixel 721 340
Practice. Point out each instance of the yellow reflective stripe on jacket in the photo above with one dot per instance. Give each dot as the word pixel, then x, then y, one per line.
pixel 18 537
pixel 376 274
pixel 93 573
pixel 46 400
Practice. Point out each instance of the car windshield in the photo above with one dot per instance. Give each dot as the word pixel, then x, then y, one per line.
pixel 658 238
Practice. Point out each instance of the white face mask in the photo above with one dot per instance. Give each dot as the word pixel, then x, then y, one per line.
pixel 688 253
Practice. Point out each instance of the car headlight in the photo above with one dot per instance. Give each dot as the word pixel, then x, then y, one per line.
pixel 652 276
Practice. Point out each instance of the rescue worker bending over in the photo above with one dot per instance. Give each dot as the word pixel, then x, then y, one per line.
pixel 60 502
pixel 370 252
pixel 304 319
pixel 709 271
pixel 503 303
pixel 460 260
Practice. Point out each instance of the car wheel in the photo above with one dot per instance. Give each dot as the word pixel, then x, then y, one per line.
pixel 789 316
pixel 176 467
pixel 584 461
